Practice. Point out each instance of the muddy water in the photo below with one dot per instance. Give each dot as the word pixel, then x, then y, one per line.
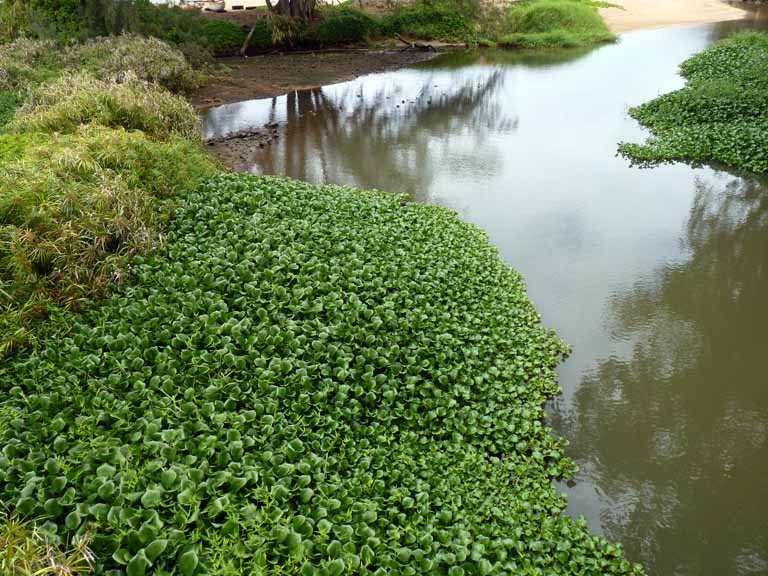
pixel 657 277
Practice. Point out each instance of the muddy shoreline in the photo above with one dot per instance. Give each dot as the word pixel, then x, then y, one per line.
pixel 270 75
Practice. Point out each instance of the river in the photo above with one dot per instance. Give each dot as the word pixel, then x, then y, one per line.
pixel 658 277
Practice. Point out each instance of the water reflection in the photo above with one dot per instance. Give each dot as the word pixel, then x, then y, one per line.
pixel 676 435
pixel 388 136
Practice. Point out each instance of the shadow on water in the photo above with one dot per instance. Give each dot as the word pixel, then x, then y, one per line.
pixel 690 401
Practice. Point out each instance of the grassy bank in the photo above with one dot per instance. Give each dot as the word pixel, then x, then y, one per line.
pixel 297 388
pixel 92 149
pixel 721 115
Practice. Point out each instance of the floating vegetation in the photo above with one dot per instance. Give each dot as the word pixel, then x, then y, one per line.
pixel 313 380
pixel 721 115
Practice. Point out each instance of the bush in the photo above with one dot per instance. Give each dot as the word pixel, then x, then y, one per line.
pixel 222 36
pixel 149 59
pixel 66 103
pixel 343 26
pixel 430 20
pixel 315 380
pixel 261 38
pixel 558 23
pixel 721 114
pixel 74 208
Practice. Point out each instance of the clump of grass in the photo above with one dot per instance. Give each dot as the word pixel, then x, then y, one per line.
pixel 721 115
pixel 64 104
pixel 25 551
pixel 148 59
pixel 27 62
pixel 74 209
pixel 554 23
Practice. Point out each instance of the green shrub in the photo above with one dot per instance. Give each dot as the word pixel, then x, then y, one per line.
pixel 66 103
pixel 74 208
pixel 343 26
pixel 149 59
pixel 222 36
pixel 557 23
pixel 315 380
pixel 262 35
pixel 721 114
pixel 430 20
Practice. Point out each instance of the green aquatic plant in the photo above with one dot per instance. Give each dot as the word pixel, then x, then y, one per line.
pixel 721 115
pixel 312 380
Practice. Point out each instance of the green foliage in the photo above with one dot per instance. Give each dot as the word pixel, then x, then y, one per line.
pixel 9 102
pixel 343 26
pixel 25 552
pixel 74 208
pixel 554 23
pixel 431 20
pixel 66 103
pixel 721 115
pixel 314 380
pixel 12 146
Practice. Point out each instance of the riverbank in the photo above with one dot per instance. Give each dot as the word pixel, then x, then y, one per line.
pixel 639 14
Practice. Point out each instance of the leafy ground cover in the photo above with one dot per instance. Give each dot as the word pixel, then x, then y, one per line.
pixel 721 115
pixel 313 380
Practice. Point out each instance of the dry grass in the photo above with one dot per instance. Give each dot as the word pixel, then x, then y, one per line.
pixel 24 551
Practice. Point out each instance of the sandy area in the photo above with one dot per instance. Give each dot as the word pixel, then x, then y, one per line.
pixel 658 13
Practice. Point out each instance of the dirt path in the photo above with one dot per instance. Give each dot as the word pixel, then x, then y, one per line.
pixel 273 75
pixel 657 13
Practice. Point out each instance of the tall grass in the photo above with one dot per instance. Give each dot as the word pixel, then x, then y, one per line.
pixel 64 104
pixel 74 209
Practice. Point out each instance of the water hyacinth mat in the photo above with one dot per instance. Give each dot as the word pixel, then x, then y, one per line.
pixel 312 380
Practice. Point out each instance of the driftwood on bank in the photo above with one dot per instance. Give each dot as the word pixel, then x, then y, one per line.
pixel 415 45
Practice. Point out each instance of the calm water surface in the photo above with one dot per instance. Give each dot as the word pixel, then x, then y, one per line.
pixel 657 278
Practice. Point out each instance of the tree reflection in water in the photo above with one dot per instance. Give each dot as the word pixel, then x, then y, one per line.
pixel 684 420
pixel 396 137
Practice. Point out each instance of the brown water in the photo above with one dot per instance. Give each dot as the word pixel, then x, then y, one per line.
pixel 658 278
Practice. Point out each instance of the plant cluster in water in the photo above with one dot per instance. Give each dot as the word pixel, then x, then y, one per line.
pixel 313 380
pixel 721 115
